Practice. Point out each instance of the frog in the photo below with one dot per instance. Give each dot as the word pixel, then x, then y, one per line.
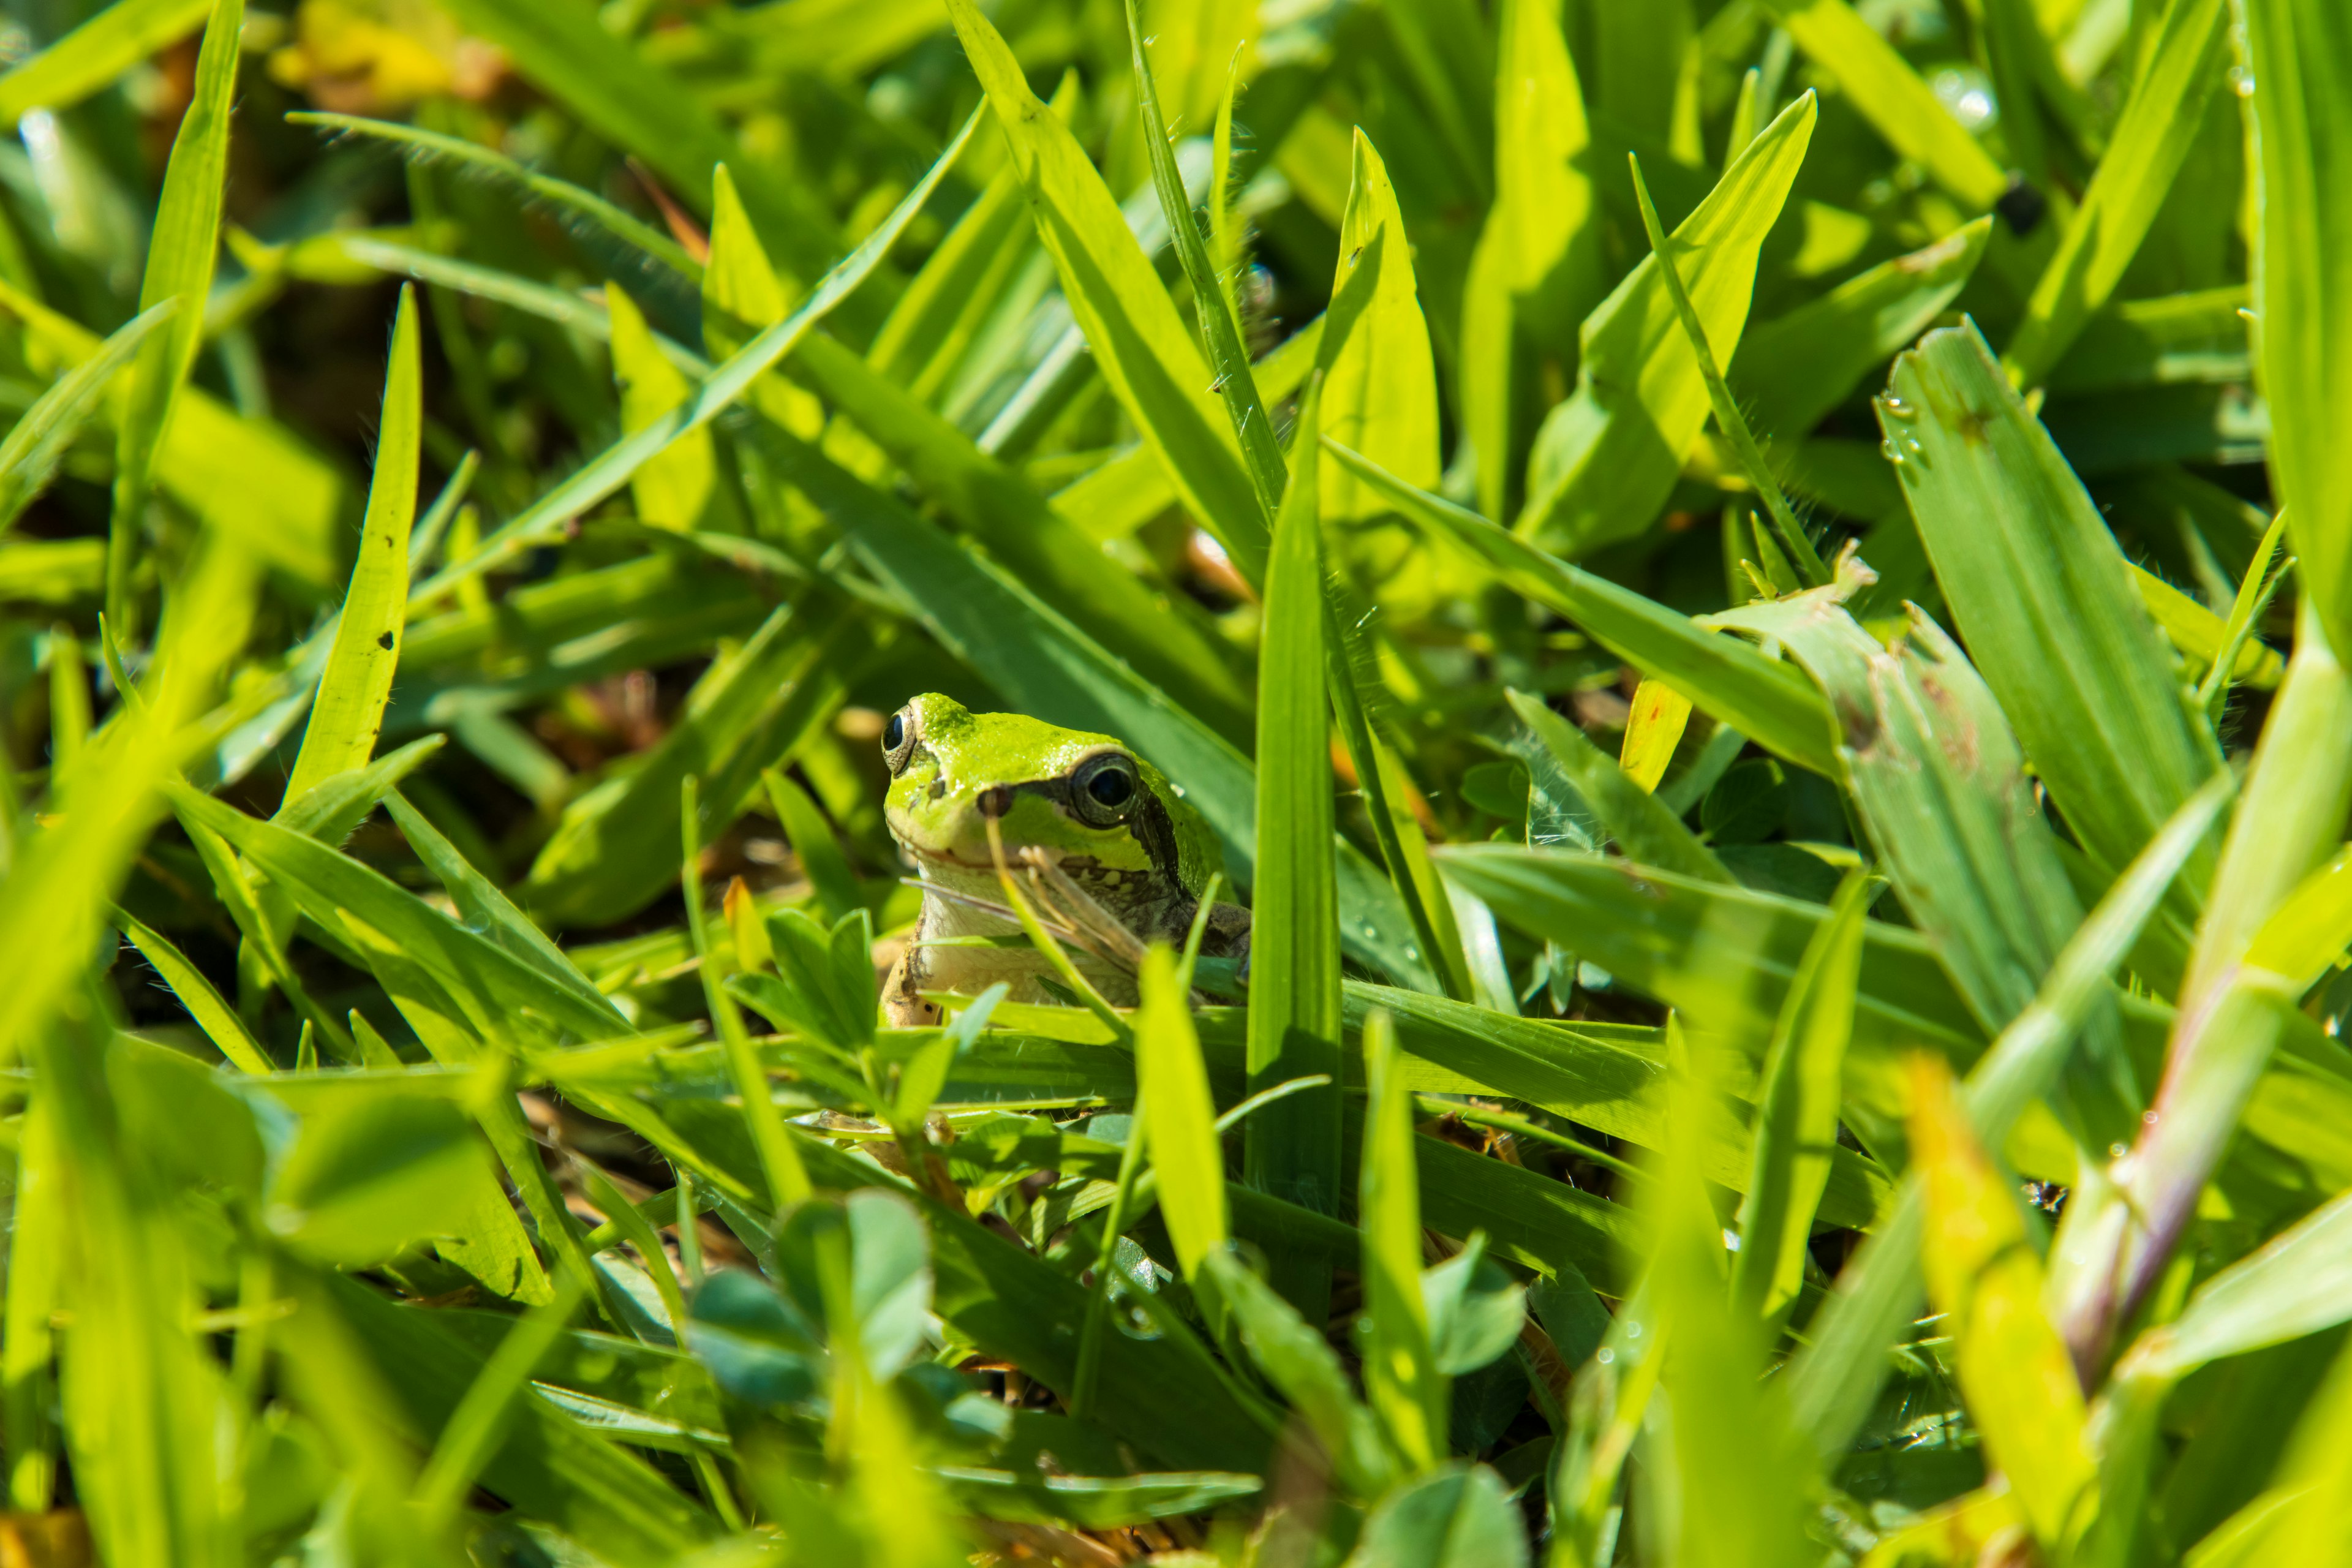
pixel 1099 838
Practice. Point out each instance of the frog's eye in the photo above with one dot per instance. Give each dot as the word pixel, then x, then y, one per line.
pixel 1103 787
pixel 898 741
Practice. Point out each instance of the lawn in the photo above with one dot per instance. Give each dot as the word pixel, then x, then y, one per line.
pixel 1746 593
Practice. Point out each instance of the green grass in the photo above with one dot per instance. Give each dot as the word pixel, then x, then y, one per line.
pixel 476 478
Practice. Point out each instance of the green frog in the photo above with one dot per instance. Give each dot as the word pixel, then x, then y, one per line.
pixel 1101 843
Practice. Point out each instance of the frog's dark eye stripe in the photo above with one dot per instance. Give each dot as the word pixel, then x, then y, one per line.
pixel 1103 787
pixel 898 740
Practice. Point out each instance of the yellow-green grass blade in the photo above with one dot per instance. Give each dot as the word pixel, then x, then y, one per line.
pixel 1742 1471
pixel 419 143
pixel 1379 392
pixel 2041 591
pixel 1797 1116
pixel 1724 678
pixel 1178 1116
pixel 348 711
pixel 1139 345
pixel 95 54
pixel 1292 1148
pixel 1235 386
pixel 2013 1370
pixel 2300 129
pixel 2151 140
pixel 179 266
pixel 215 1018
pixel 38 441
pixel 611 468
pixel 64 877
pixel 1890 96
pixel 1607 456
pixel 673 489
pixel 1402 1382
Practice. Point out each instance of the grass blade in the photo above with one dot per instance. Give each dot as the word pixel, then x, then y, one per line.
pixel 2037 584
pixel 1139 345
pixel 1292 1148
pixel 179 266
pixel 2150 141
pixel 1724 678
pixel 38 441
pixel 1606 458
pixel 1797 1116
pixel 611 468
pixel 348 711
pixel 1402 1382
pixel 2302 127
pixel 95 54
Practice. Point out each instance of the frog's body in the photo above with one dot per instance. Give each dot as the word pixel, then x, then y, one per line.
pixel 1082 803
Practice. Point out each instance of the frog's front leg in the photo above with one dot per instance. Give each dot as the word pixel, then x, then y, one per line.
pixel 904 1006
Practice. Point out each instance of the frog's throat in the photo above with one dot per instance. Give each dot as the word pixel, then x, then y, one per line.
pixel 960 900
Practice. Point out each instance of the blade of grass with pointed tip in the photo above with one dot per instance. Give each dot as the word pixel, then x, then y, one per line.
pixel 1140 343
pixel 1402 1381
pixel 611 468
pixel 215 1018
pixel 1724 678
pixel 348 711
pixel 38 441
pixel 2150 141
pixel 1727 417
pixel 1380 392
pixel 1797 1115
pixel 95 54
pixel 1292 1148
pixel 2038 585
pixel 1606 457
pixel 179 266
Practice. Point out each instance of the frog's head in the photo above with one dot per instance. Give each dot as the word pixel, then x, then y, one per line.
pixel 1099 806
